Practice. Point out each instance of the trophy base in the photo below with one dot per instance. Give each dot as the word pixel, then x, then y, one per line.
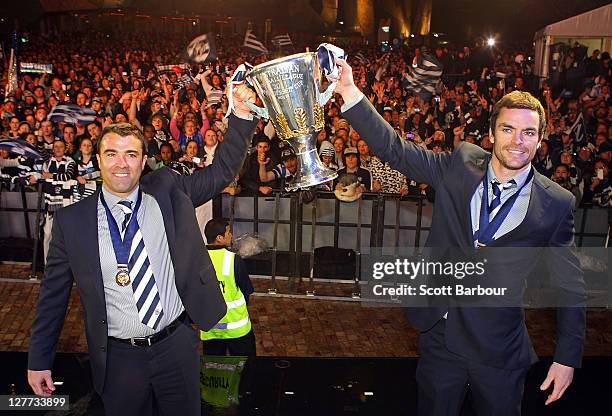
pixel 307 181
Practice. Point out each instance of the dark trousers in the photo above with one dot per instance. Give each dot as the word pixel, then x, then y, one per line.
pixel 245 345
pixel 165 375
pixel 443 379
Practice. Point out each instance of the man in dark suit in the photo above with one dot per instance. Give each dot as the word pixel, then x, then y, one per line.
pixel 143 274
pixel 485 349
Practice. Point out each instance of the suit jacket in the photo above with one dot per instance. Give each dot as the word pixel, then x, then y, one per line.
pixel 494 336
pixel 73 254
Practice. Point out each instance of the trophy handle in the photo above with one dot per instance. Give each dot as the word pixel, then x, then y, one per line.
pixel 260 111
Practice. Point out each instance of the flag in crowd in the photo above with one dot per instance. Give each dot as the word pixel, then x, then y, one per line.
pixel 21 147
pixel 425 75
pixel 253 44
pixel 11 85
pixel 579 130
pixel 360 57
pixel 168 69
pixel 202 49
pixel 282 40
pixel 31 67
pixel 72 114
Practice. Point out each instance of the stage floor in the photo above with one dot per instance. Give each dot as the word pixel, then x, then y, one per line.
pixel 324 386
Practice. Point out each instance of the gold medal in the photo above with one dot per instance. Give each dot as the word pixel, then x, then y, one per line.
pixel 122 278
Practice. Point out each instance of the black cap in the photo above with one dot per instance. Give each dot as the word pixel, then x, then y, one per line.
pixel 287 154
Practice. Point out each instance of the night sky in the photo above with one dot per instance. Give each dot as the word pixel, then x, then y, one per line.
pixel 513 19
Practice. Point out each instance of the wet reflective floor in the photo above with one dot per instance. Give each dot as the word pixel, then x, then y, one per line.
pixel 313 386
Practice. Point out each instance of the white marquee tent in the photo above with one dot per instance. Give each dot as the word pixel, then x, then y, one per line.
pixel 593 28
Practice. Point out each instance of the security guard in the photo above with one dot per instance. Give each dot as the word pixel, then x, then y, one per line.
pixel 233 332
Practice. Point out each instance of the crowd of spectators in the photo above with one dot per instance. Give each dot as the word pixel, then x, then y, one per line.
pixel 118 77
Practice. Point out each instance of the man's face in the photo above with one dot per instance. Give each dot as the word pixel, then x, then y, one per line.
pixel 69 134
pixel 149 132
pixel 226 239
pixel 93 130
pixel 14 124
pixel 121 163
pixel 566 158
pixel 41 114
pixel 351 161
pixel 46 128
pixel 515 139
pixel 210 138
pixel 59 149
pixel 291 164
pixel 81 99
pixel 262 147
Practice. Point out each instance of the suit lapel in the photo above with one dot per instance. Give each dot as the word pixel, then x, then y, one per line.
pixel 473 176
pixel 91 240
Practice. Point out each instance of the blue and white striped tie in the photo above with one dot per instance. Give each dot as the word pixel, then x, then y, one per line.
pixel 497 192
pixel 146 295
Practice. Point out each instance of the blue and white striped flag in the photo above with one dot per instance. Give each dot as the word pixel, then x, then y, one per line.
pixel 425 75
pixel 282 40
pixel 252 43
pixel 72 114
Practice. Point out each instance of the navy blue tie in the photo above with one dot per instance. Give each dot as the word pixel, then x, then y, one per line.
pixel 497 191
pixel 496 201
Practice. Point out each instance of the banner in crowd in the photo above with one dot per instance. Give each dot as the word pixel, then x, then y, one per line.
pixel 202 49
pixel 579 130
pixel 425 75
pixel 282 40
pixel 31 67
pixel 11 84
pixel 72 114
pixel 362 59
pixel 168 69
pixel 253 44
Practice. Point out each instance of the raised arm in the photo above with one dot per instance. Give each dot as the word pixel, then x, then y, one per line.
pixel 413 161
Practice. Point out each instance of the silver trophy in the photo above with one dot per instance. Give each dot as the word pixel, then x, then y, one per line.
pixel 290 90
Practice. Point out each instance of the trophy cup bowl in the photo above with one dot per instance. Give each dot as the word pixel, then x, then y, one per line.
pixel 289 90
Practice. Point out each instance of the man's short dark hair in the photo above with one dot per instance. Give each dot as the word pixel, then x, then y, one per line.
pixel 262 139
pixel 213 228
pixel 123 130
pixel 519 100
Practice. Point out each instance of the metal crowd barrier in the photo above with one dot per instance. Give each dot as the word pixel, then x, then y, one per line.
pixel 296 223
pixel 585 233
